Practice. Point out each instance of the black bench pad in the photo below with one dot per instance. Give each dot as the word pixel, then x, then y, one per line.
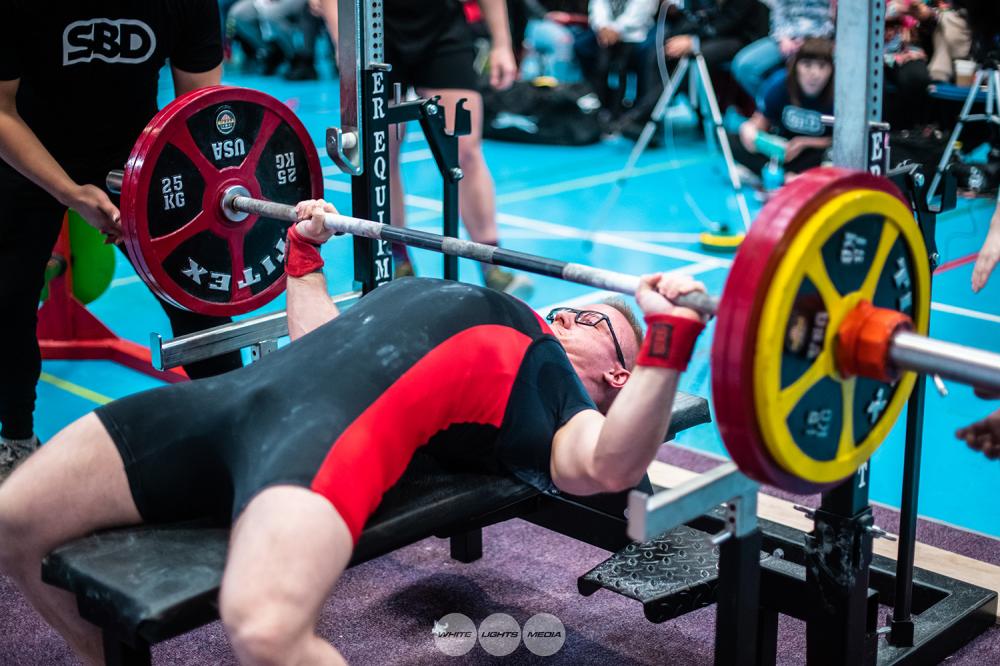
pixel 159 581
pixel 156 582
pixel 689 410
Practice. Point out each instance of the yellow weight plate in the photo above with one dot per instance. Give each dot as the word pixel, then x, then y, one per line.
pixel 861 245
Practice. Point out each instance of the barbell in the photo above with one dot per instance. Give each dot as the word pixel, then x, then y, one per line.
pixel 821 327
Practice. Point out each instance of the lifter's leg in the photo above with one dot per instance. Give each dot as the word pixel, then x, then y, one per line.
pixel 72 486
pixel 287 550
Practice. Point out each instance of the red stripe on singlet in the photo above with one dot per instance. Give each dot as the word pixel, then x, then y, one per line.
pixel 466 379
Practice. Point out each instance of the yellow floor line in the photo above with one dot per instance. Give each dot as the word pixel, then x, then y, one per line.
pixel 76 389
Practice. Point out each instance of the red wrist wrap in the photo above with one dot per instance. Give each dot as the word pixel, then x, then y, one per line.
pixel 669 341
pixel 301 256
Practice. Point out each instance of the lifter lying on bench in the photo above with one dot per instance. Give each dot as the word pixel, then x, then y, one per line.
pixel 419 363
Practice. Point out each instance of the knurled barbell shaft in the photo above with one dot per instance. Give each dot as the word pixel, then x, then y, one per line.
pixel 490 254
pixel 907 351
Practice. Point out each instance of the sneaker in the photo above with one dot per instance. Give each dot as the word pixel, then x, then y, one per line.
pixel 403 269
pixel 270 58
pixel 514 284
pixel 301 69
pixel 13 452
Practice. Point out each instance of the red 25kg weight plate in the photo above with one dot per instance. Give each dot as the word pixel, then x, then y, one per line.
pixel 176 233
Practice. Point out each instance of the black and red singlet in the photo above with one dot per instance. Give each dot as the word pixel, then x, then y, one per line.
pixel 470 372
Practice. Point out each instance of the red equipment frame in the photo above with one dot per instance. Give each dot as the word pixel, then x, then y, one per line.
pixel 68 331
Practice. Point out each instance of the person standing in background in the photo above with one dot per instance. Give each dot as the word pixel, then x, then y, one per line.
pixel 429 45
pixel 50 54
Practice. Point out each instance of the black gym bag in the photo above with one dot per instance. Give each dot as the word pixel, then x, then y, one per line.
pixel 561 114
pixel 923 145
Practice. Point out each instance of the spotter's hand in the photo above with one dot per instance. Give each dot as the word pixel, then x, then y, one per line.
pixel 311 214
pixel 94 205
pixel 983 435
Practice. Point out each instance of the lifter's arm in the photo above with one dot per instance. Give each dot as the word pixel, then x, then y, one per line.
pixel 20 148
pixel 593 453
pixel 309 304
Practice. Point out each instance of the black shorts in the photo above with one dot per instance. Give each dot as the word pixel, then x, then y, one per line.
pixel 441 59
pixel 206 448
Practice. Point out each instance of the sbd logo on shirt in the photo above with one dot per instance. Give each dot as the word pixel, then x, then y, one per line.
pixel 115 41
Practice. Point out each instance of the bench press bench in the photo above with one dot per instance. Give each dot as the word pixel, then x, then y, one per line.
pixel 147 584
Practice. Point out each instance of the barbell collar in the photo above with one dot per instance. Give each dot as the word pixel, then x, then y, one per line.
pixel 114 181
pixel 968 365
pixel 571 272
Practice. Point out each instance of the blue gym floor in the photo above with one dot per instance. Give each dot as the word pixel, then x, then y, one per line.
pixel 548 199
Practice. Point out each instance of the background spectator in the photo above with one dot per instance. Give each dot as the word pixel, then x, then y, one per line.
pixel 719 29
pixel 619 36
pixel 792 22
pixel 552 30
pixel 806 83
pixel 270 33
pixel 906 74
pixel 950 40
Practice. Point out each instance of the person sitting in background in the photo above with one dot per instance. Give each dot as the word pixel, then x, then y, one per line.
pixel 302 63
pixel 553 26
pixel 792 22
pixel 949 37
pixel 906 74
pixel 268 30
pixel 807 83
pixel 620 34
pixel 716 28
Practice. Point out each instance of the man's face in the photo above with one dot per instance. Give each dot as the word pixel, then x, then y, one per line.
pixel 591 349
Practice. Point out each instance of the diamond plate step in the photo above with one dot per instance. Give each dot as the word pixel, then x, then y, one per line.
pixel 671 575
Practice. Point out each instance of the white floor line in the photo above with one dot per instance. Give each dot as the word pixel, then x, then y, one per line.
pixel 554 230
pixel 416 156
pixel 965 312
pixel 660 236
pixel 335 171
pixel 336 185
pixel 404 158
pixel 507 234
pixel 613 240
pixel 591 181
pixel 123 281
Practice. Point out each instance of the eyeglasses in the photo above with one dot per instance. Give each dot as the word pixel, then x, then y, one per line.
pixel 590 318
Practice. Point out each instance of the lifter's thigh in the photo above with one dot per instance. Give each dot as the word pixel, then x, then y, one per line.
pixel 287 550
pixel 73 485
